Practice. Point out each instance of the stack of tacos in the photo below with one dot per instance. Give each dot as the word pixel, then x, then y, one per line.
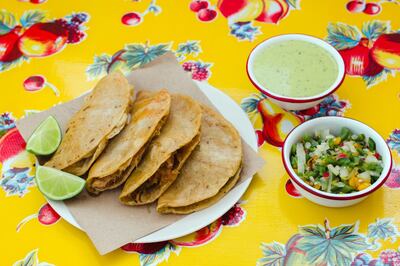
pixel 162 148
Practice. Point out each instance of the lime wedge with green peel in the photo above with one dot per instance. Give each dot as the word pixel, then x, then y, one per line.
pixel 46 138
pixel 56 184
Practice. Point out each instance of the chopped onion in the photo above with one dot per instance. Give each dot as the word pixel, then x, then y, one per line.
pixel 334 170
pixel 325 133
pixel 364 176
pixel 307 145
pixel 301 158
pixel 371 159
pixel 328 189
pixel 344 172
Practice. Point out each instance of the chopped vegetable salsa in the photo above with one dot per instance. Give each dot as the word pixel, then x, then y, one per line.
pixel 336 164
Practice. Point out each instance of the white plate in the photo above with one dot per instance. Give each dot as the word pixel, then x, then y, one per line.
pixel 197 220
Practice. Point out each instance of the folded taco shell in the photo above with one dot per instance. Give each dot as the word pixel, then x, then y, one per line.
pixel 211 170
pixel 149 113
pixel 102 116
pixel 166 154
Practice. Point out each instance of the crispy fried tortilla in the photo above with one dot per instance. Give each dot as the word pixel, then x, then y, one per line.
pixel 102 116
pixel 124 152
pixel 211 170
pixel 166 154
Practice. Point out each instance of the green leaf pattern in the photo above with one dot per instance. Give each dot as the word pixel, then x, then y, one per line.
pixel 31 17
pixel 383 229
pixel 188 48
pixel 99 67
pixel 342 36
pixel 273 254
pixel 373 29
pixel 323 245
pixel 137 55
pixel 335 246
pixel 7 21
pixel 295 4
pixel 31 259
pixel 381 76
pixel 159 256
pixel 249 104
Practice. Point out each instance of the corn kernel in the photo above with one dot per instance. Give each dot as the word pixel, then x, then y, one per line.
pixel 337 140
pixel 357 146
pixel 317 186
pixel 363 186
pixel 353 182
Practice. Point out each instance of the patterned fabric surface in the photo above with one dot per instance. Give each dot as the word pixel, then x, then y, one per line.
pixel 52 51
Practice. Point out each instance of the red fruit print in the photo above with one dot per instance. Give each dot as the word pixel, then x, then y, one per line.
pixel 144 248
pixel 8 45
pixel 199 70
pixel 386 50
pixel 274 11
pixel 11 144
pixel 260 137
pixel 390 257
pixel 234 216
pixel 38 1
pixel 43 39
pixel 270 130
pixel 356 6
pixel 198 5
pixel 230 7
pixel 34 83
pixel 47 38
pixel 291 190
pixel 372 9
pixel 187 66
pixel 206 15
pixel 310 111
pixel 38 82
pixel 200 74
pixel 358 60
pixel 201 236
pixel 132 19
pixel 46 216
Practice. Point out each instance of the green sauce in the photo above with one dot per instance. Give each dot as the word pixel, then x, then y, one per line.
pixel 295 68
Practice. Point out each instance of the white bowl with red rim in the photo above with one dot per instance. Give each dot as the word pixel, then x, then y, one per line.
pixel 334 124
pixel 296 103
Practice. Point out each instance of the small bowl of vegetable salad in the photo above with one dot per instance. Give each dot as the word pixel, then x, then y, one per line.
pixel 336 161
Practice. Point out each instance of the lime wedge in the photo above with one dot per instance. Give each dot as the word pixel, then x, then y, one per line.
pixel 56 184
pixel 46 138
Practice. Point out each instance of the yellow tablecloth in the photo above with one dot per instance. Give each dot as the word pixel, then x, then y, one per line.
pixel 52 51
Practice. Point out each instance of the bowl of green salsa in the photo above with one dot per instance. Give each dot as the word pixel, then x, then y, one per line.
pixel 295 71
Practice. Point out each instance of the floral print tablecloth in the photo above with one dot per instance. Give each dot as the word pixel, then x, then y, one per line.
pixel 52 51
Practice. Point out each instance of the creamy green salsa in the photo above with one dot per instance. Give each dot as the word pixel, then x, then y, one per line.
pixel 295 68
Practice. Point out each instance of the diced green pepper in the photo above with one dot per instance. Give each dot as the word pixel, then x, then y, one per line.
pixel 371 144
pixel 360 138
pixel 343 162
pixel 346 189
pixel 345 133
pixel 307 138
pixel 293 150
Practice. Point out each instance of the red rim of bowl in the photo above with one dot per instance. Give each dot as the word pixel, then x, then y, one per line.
pixel 288 99
pixel 306 187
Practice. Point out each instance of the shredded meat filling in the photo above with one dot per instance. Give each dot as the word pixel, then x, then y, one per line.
pixel 163 174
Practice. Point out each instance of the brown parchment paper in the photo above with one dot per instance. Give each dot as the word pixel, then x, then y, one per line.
pixel 107 222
